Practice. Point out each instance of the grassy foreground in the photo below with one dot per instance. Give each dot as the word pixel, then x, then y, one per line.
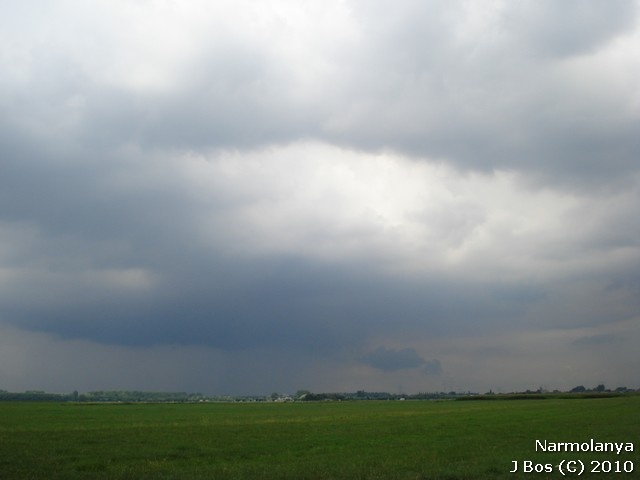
pixel 350 440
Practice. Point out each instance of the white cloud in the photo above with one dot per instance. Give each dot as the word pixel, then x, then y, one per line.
pixel 321 202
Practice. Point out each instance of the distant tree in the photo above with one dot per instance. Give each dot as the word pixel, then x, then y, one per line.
pixel 600 388
pixel 578 389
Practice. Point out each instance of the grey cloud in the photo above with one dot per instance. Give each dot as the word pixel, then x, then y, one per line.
pixel 482 103
pixel 412 80
pixel 392 359
pixel 596 340
pixel 109 236
pixel 97 227
pixel 519 294
pixel 433 367
pixel 239 101
pixel 570 27
pixel 195 297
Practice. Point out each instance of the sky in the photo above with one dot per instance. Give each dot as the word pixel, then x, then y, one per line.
pixel 245 197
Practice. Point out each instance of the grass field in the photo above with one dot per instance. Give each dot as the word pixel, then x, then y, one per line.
pixel 350 440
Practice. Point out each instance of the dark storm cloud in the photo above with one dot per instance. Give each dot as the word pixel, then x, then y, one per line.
pixel 199 296
pixel 110 253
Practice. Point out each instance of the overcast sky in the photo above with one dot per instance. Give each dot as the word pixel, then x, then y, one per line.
pixel 241 197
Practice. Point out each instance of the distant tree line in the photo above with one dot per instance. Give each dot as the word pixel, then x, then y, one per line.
pixel 540 393
pixel 34 396
pixel 364 395
pixel 125 396
pixel 136 396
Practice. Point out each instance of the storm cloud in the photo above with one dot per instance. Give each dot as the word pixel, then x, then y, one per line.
pixel 247 197
pixel 392 359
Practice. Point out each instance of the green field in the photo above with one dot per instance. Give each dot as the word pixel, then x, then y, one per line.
pixel 350 440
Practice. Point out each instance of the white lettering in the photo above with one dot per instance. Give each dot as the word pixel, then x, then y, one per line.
pixel 590 446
